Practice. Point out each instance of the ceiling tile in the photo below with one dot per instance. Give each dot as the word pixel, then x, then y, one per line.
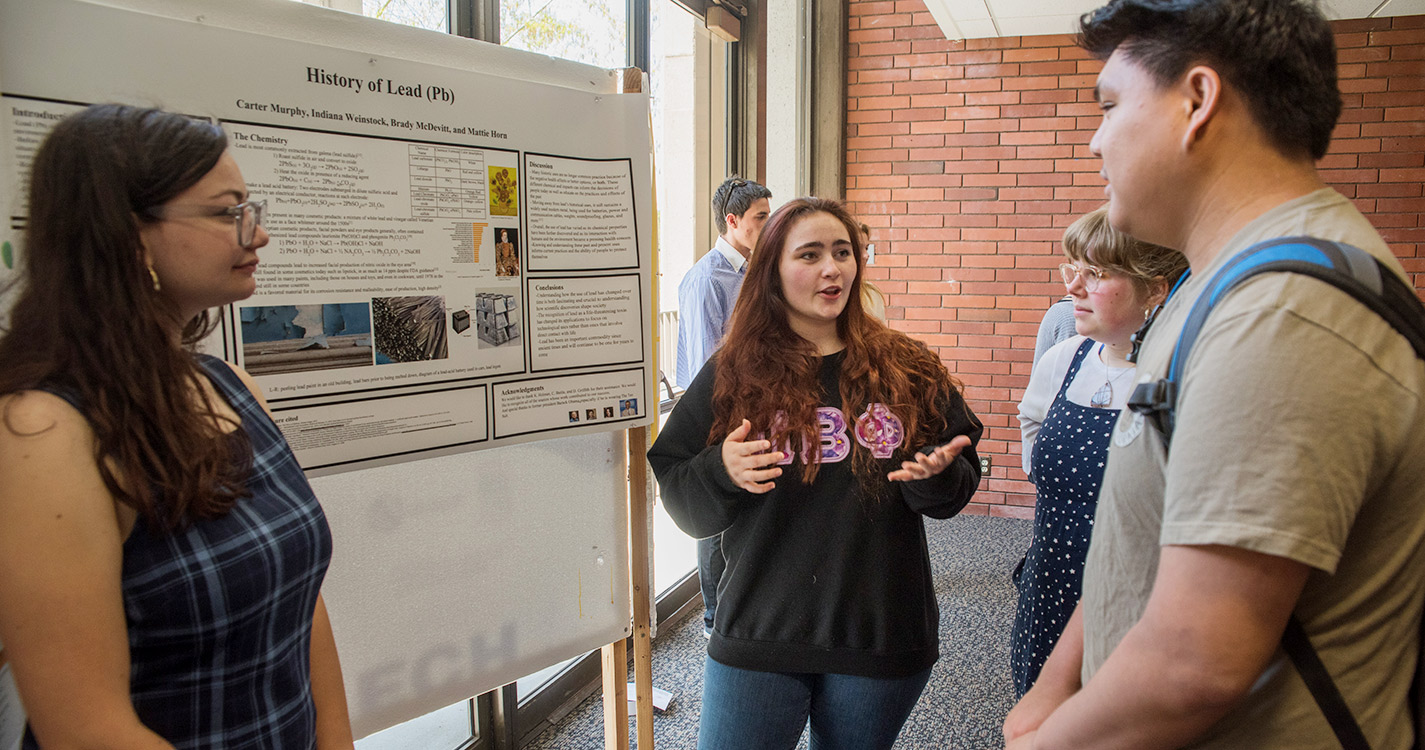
pixel 1349 8
pixel 966 9
pixel 1403 8
pixel 1026 8
pixel 978 29
pixel 1038 25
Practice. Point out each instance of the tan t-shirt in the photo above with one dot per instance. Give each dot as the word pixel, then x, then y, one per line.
pixel 1300 433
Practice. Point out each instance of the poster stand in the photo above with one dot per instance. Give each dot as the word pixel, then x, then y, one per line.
pixel 615 655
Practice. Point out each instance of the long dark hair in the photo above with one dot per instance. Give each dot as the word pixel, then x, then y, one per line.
pixel 765 368
pixel 88 321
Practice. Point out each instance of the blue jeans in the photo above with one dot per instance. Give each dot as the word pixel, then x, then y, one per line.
pixel 711 564
pixel 744 709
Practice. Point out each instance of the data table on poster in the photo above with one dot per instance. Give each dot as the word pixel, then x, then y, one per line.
pixel 447 182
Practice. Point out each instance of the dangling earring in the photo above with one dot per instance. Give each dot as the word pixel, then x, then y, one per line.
pixel 152 274
pixel 1147 312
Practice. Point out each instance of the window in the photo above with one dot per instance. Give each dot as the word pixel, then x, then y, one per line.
pixel 587 31
pixel 425 14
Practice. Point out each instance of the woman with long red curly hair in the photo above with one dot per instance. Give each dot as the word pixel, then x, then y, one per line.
pixel 815 441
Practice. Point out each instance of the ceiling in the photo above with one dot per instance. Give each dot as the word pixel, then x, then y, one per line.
pixel 978 19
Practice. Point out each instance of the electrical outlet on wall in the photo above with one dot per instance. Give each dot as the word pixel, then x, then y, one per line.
pixel 984 466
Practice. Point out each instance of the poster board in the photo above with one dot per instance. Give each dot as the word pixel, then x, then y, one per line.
pixel 464 570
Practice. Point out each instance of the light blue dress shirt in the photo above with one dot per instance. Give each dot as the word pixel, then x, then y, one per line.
pixel 705 300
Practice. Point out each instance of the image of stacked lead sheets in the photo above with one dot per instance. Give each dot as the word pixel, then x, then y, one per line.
pixel 497 318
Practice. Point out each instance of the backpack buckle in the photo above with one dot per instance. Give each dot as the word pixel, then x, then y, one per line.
pixel 1156 401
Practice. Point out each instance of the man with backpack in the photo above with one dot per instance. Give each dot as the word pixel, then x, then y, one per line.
pixel 1293 486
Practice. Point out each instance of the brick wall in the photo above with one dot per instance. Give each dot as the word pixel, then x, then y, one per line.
pixel 969 158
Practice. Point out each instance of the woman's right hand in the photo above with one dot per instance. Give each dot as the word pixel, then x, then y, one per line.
pixel 744 460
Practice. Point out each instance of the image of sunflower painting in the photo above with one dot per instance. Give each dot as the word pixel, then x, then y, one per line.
pixel 504 191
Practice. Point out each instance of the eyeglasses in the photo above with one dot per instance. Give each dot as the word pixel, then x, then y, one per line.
pixel 1091 274
pixel 247 216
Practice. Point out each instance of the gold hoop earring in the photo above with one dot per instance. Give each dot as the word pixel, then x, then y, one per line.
pixel 152 274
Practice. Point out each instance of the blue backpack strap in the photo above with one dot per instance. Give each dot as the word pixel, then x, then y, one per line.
pixel 1343 266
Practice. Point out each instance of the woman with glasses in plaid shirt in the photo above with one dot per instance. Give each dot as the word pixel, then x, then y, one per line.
pixel 161 554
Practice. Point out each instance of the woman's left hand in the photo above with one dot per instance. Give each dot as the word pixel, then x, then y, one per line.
pixel 927 465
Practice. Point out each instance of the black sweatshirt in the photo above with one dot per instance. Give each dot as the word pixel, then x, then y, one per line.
pixel 819 578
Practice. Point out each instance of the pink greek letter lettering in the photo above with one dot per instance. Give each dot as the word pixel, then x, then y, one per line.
pixel 880 430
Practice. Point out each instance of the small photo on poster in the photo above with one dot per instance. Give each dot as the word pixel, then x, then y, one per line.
pixel 409 329
pixel 497 319
pixel 507 252
pixel 301 338
pixel 628 407
pixel 504 191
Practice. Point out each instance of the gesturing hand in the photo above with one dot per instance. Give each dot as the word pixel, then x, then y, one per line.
pixel 744 460
pixel 929 464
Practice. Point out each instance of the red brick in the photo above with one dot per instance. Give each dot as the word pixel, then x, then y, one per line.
pixel 1395 99
pixel 997 125
pixel 1404 37
pixel 992 97
pixel 932 33
pixel 882 74
pixel 974 57
pixel 1404 114
pixel 1363 54
pixel 868 115
pixel 939 99
pixel 1416 159
pixel 938 126
pixel 936 72
pixel 883 102
pixel 882 128
pixel 917 88
pixel 969 85
pixel 874 34
pixel 918 167
pixel 862 62
pixel 1064 67
pixel 1033 82
pixel 908 59
pixel 1387 129
pixel 1031 138
pixel 1051 96
pixel 927 45
pixel 1031 55
pixel 910 114
pixel 1363 85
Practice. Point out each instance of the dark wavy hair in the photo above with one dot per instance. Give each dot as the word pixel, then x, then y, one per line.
pixel 765 369
pixel 1280 54
pixel 734 196
pixel 88 322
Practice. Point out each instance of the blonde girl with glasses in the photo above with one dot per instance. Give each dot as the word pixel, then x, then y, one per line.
pixel 1074 395
pixel 161 553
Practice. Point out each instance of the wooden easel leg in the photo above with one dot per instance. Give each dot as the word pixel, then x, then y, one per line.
pixel 639 524
pixel 615 658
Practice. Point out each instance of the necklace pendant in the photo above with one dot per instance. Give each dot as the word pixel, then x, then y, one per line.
pixel 1102 397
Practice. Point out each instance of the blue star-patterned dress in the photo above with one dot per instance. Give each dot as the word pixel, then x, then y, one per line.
pixel 1068 460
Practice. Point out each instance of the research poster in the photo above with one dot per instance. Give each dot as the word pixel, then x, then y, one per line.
pixel 457 260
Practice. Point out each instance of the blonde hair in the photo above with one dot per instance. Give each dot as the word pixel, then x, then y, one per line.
pixel 1092 240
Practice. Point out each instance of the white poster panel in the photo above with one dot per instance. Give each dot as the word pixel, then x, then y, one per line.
pixel 421 221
